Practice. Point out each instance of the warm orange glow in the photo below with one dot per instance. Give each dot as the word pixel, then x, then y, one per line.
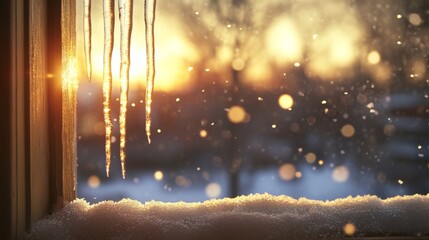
pixel 203 133
pixel 381 73
pixel 373 57
pixel 158 175
pixel 287 171
pixel 238 64
pixel 389 130
pixel 310 157
pixel 284 44
pixel 174 52
pixel 340 174
pixel 94 181
pixel 349 229
pixel 334 51
pixel 69 74
pixel 237 114
pixel 331 49
pixel 257 72
pixel 415 19
pixel 285 101
pixel 348 130
pixel 417 70
pixel 213 190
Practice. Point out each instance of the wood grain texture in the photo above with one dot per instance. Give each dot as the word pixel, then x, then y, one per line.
pixel 35 176
pixel 18 136
pixel 69 98
pixel 38 112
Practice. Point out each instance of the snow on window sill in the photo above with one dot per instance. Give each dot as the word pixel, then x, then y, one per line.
pixel 260 216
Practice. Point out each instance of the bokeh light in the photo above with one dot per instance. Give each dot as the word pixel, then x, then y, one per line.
pixel 389 130
pixel 237 114
pixel 374 57
pixel 310 157
pixel 158 175
pixel 340 174
pixel 203 133
pixel 348 131
pixel 285 101
pixel 94 181
pixel 238 64
pixel 349 229
pixel 276 95
pixel 417 69
pixel 182 181
pixel 283 41
pixel 213 190
pixel 287 172
pixel 415 19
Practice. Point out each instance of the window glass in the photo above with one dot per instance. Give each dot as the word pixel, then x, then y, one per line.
pixel 316 99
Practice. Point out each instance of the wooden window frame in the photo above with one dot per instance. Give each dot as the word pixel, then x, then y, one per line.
pixel 37 173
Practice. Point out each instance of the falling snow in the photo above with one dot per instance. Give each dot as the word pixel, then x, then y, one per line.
pixel 363 127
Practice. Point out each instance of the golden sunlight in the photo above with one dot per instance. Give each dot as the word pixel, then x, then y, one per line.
pixel 286 48
pixel 257 72
pixel 373 57
pixel 285 101
pixel 417 69
pixel 283 41
pixel 334 50
pixel 330 49
pixel 174 52
pixel 69 75
pixel 237 114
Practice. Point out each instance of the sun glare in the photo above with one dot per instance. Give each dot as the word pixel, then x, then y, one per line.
pixel 334 50
pixel 174 54
pixel 330 49
pixel 283 41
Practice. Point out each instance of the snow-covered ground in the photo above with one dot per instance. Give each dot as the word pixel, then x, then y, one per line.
pixel 312 184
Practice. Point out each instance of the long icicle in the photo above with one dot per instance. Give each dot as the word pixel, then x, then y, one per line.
pixel 109 28
pixel 150 61
pixel 87 32
pixel 125 18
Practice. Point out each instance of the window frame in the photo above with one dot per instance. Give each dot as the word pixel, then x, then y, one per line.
pixel 38 170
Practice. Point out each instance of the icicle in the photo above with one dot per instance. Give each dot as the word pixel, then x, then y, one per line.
pixel 150 60
pixel 125 18
pixel 109 27
pixel 87 32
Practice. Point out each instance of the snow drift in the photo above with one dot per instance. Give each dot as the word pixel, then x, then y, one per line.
pixel 260 216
